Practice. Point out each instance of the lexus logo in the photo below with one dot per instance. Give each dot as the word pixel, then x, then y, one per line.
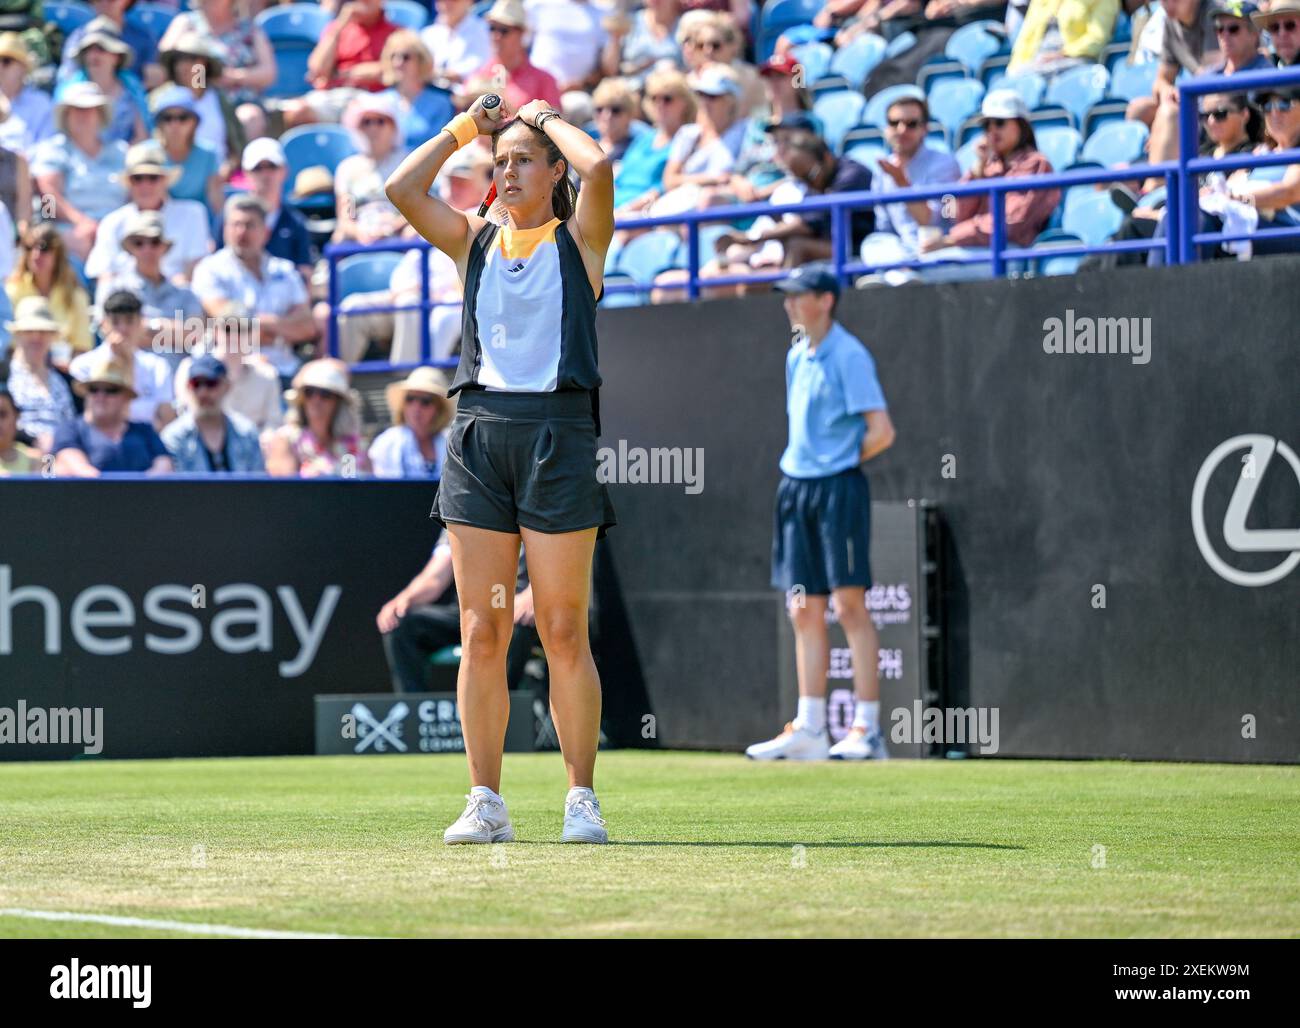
pixel 1236 535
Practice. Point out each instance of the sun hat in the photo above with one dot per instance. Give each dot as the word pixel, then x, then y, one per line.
pixel 106 370
pixel 33 314
pixel 421 380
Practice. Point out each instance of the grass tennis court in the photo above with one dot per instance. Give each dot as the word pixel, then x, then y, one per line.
pixel 703 845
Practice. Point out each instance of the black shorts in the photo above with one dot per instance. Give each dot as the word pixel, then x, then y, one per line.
pixel 821 533
pixel 523 459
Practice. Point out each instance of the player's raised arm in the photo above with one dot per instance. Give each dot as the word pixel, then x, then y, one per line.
pixel 408 187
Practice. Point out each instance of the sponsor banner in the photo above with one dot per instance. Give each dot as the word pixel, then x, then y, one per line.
pixel 426 722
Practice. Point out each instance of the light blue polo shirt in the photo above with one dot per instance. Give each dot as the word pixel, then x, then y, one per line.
pixel 826 392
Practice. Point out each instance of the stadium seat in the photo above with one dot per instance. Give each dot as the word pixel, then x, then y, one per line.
pixel 647 255
pixel 867 154
pixel 815 58
pixel 1123 32
pixel 952 101
pixel 829 84
pixel 1077 89
pixel 1113 55
pixel 622 297
pixel 1051 115
pixel 1030 85
pixel 972 128
pixel 1116 143
pixel 878 106
pixel 974 43
pixel 365 272
pixel 406 14
pixel 1058 144
pixel 310 145
pixel 966 155
pixel 900 44
pixel 778 16
pixel 151 19
pixel 301 22
pixel 1129 81
pixel 708 233
pixel 857 60
pixel 290 68
pixel 993 67
pixel 808 34
pixel 68 14
pixel 1101 113
pixel 939 69
pixel 1048 266
pixel 838 112
pixel 1090 214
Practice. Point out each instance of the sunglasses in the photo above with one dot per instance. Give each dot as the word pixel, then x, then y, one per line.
pixel 145 178
pixel 403 55
pixel 204 383
pixel 709 44
pixel 1289 25
pixel 1279 106
pixel 904 123
pixel 611 110
pixel 374 122
pixel 423 401
pixel 313 393
pixel 503 30
pixel 1229 29
pixel 1219 113
pixel 663 98
pixel 103 390
pixel 171 119
pixel 138 241
pixel 996 123
pixel 263 168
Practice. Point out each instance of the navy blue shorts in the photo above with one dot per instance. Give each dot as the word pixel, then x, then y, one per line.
pixel 527 459
pixel 821 533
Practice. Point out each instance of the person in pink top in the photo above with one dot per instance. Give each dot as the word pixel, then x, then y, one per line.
pixel 508 72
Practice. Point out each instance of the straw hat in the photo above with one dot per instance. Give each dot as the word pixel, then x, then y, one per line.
pixel 309 181
pixel 421 380
pixel 103 33
pixel 507 12
pixel 33 314
pixel 145 225
pixel 12 45
pixel 83 96
pixel 106 370
pixel 147 158
pixel 330 374
pixel 196 44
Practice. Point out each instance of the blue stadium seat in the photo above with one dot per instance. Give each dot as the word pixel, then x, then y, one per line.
pixel 1116 143
pixel 365 272
pixel 151 19
pixel 68 14
pixel 863 134
pixel 867 154
pixel 972 128
pixel 939 69
pixel 878 106
pixel 1114 54
pixel 1123 32
pixel 993 67
pixel 974 43
pixel 1051 115
pixel 778 16
pixel 1090 214
pixel 1129 81
pixel 647 255
pixel 290 68
pixel 1030 85
pixel 1058 144
pixel 1101 113
pixel 621 297
pixel 1077 89
pixel 857 60
pixel 952 101
pixel 966 155
pixel 808 34
pixel 310 145
pixel 900 44
pixel 406 14
pixel 838 112
pixel 815 58
pixel 302 22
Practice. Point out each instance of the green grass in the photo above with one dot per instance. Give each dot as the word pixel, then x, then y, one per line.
pixel 705 845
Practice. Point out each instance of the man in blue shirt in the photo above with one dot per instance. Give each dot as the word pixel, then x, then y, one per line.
pixel 822 521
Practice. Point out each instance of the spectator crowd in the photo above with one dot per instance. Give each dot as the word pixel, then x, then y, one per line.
pixel 166 305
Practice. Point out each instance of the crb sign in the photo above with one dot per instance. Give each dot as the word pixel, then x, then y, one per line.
pixel 410 723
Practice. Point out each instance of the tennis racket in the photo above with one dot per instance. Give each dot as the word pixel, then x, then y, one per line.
pixel 492 108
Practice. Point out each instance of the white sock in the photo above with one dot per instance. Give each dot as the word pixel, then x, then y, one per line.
pixel 580 791
pixel 483 790
pixel 812 713
pixel 866 714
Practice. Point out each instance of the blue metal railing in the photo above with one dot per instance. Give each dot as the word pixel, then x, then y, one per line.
pixel 1180 244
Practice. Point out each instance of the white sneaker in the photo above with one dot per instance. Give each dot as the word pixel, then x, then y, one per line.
pixel 485 820
pixel 858 745
pixel 582 820
pixel 794 743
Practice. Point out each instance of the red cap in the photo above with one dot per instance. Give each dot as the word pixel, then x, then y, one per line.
pixel 779 64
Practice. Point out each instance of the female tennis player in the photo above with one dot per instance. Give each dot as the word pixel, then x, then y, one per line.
pixel 521 450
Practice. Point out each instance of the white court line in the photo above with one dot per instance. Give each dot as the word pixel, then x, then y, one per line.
pixel 172 926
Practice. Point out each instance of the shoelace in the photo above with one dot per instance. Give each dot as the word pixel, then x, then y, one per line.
pixel 585 808
pixel 474 810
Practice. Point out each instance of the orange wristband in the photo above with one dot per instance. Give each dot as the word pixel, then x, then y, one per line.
pixel 462 127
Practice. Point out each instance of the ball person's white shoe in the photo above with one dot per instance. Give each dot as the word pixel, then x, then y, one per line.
pixel 485 820
pixel 582 820
pixel 859 745
pixel 794 743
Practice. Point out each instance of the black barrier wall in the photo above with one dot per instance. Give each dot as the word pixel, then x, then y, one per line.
pixel 1080 604
pixel 200 618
